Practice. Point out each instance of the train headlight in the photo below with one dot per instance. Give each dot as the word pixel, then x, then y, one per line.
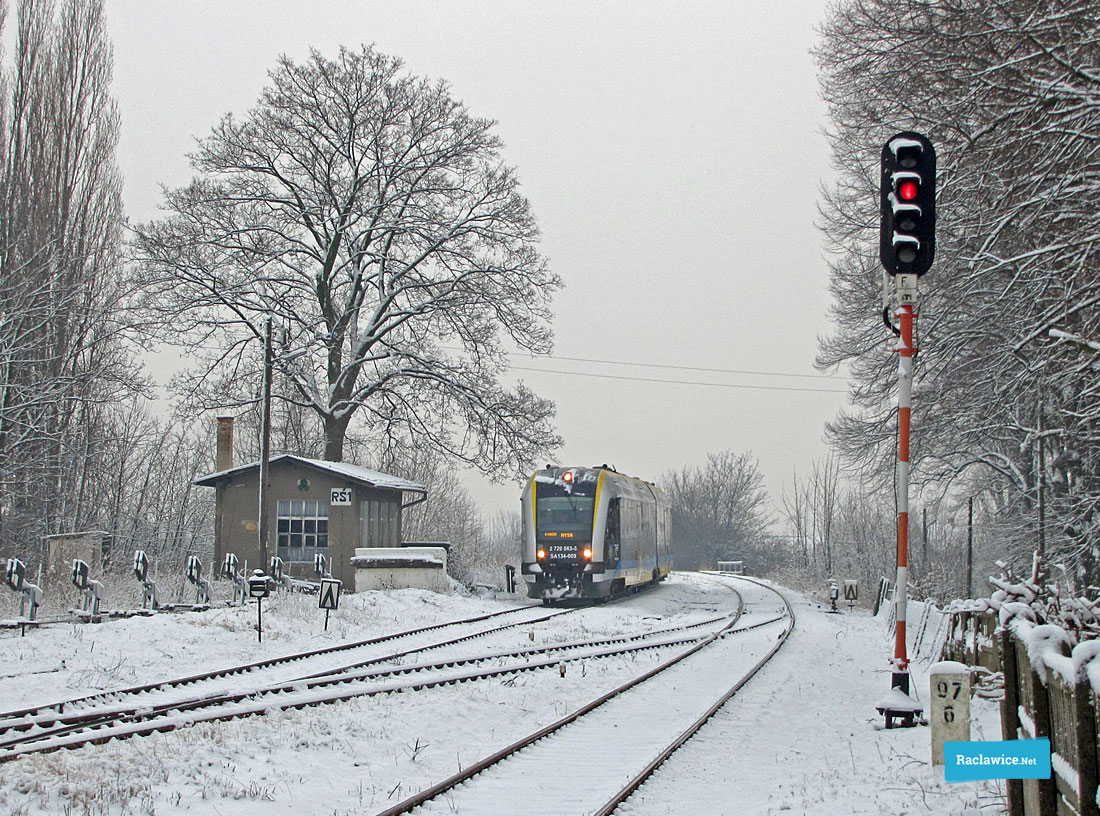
pixel 587 553
pixel 540 555
pixel 567 477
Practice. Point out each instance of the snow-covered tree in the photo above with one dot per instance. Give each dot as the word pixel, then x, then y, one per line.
pixel 63 361
pixel 372 216
pixel 1006 90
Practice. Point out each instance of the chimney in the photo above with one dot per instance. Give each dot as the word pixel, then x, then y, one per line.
pixel 225 444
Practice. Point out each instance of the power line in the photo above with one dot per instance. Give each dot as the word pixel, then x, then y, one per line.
pixel 682 382
pixel 534 357
pixel 678 367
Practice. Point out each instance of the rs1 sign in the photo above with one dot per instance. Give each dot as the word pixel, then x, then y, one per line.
pixel 341 496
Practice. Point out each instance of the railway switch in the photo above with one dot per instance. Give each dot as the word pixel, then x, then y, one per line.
pixel 278 576
pixel 15 577
pixel 14 574
pixel 231 570
pixel 194 575
pixel 148 587
pixel 91 592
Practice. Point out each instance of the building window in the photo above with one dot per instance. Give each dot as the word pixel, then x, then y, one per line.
pixel 378 524
pixel 302 529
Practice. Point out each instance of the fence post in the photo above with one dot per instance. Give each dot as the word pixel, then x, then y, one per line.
pixel 1086 744
pixel 1010 716
pixel 975 627
pixel 1040 795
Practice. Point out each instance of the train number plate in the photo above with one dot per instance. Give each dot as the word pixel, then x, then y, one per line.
pixel 563 550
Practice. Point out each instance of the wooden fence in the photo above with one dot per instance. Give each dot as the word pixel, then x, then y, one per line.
pixel 1047 693
pixel 971 639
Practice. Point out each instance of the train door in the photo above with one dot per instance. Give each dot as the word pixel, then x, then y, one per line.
pixel 656 537
pixel 612 542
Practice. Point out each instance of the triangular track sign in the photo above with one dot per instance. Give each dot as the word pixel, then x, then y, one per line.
pixel 330 594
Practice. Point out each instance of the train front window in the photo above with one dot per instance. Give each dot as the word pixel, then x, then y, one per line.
pixel 563 512
pixel 566 517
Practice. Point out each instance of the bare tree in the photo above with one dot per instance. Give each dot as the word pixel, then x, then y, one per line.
pixel 796 502
pixel 718 512
pixel 813 508
pixel 372 216
pixel 63 358
pixel 140 487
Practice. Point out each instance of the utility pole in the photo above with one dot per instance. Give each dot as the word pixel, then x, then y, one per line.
pixel 1040 472
pixel 924 536
pixel 265 446
pixel 970 547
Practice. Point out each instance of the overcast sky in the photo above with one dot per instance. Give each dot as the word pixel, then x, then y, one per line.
pixel 673 154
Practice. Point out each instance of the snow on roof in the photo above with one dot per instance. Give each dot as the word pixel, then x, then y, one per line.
pixel 371 478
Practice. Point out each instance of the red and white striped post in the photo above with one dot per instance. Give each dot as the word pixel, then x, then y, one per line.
pixel 900 706
pixel 907 296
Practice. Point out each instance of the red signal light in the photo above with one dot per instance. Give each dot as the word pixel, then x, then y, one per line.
pixel 908 190
pixel 567 476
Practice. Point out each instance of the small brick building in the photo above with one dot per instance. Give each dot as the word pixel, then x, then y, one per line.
pixel 331 508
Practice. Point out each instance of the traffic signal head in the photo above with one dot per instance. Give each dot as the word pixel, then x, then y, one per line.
pixel 907 234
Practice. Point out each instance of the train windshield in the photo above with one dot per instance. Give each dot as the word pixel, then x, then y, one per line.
pixel 564 515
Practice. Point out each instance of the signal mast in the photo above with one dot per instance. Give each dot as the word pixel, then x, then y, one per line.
pixel 907 244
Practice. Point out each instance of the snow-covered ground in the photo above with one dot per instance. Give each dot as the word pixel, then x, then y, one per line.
pixel 801 738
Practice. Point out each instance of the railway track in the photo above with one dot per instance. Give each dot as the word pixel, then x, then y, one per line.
pixel 284 668
pixel 593 759
pixel 161 707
